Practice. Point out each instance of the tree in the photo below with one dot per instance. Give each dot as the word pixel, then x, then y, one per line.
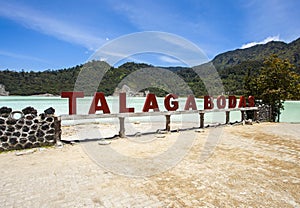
pixel 275 83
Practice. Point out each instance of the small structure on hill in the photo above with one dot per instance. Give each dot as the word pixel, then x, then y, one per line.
pixel 130 92
pixel 3 92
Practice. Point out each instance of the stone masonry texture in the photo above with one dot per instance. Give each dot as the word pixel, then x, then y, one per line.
pixel 25 129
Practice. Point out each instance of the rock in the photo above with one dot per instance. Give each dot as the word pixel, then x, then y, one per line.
pixel 42 116
pixel 59 144
pixel 103 142
pixel 159 131
pixel 138 134
pixel 160 136
pixel 11 121
pixel 2 121
pixel 248 122
pixel 39 133
pixel 10 129
pixel 45 127
pixel 199 130
pixel 29 110
pixel 13 140
pixel 28 145
pixel 49 111
pixel 5 110
pixel 50 119
pixel 2 127
pixel 29 117
pixel 3 138
pixel 25 152
pixel 17 134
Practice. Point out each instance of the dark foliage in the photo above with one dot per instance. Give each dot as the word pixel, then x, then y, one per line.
pixel 236 70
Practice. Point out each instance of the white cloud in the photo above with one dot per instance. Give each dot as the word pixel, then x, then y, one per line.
pixel 169 60
pixel 141 14
pixel 35 20
pixel 152 42
pixel 268 39
pixel 21 56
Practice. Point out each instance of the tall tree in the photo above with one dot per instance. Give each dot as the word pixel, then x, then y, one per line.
pixel 275 83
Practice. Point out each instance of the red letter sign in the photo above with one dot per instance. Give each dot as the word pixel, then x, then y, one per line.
pixel 122 104
pixel 190 103
pixel 232 101
pixel 251 101
pixel 174 103
pixel 94 106
pixel 242 103
pixel 150 103
pixel 208 102
pixel 72 100
pixel 221 101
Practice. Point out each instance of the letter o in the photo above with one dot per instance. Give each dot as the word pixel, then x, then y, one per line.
pixel 221 101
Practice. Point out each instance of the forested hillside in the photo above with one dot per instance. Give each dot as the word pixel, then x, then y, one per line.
pixel 233 67
pixel 289 51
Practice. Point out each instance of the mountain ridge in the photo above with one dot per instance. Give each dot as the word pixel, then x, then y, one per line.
pixel 232 67
pixel 259 52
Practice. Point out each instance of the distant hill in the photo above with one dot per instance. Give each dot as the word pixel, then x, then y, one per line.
pixel 232 67
pixel 289 51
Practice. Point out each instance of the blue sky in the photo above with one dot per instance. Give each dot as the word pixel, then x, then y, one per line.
pixel 39 35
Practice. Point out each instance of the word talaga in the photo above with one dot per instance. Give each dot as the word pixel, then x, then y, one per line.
pixel 170 102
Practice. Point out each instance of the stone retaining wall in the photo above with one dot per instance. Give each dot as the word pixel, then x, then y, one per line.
pixel 264 113
pixel 25 129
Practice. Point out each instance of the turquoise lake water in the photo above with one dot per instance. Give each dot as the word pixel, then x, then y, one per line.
pixel 290 114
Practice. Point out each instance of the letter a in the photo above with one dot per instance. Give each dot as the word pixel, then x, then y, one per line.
pixel 190 103
pixel 150 103
pixel 95 107
pixel 242 103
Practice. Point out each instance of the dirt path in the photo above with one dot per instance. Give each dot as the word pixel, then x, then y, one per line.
pixel 251 166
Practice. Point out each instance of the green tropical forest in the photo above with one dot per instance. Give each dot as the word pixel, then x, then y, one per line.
pixel 239 71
